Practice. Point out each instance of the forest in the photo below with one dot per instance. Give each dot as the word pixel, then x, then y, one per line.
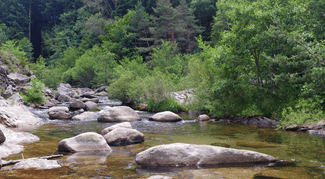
pixel 241 57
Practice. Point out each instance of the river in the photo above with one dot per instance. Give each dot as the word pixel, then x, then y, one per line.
pixel 305 154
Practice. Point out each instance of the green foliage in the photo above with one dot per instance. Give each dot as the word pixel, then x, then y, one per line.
pixel 305 111
pixel 27 47
pixel 3 34
pixel 170 104
pixel 34 93
pixel 49 75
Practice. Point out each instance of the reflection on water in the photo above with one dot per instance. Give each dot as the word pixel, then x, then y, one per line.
pixel 305 154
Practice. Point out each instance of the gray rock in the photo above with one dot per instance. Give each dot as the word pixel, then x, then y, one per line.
pixel 124 136
pixel 118 114
pixel 39 164
pixel 18 79
pixel 203 117
pixel 14 141
pixel 101 89
pixel 262 122
pixel 120 125
pixel 15 99
pixel 320 132
pixel 89 141
pixel 179 154
pixel 165 116
pixel 19 116
pixel 48 93
pixel 2 137
pixel 292 128
pixel 77 112
pixel 4 69
pixel 85 116
pixel 89 95
pixel 77 104
pixel 8 92
pixel 184 97
pixel 321 124
pixel 63 97
pixel 59 112
pixel 47 105
pixel 90 105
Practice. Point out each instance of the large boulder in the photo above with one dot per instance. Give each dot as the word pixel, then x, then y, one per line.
pixel 90 105
pixel 120 125
pixel 13 115
pixel 14 141
pixel 118 114
pixel 179 154
pixel 165 116
pixel 59 112
pixel 124 136
pixel 77 104
pixel 85 116
pixel 39 164
pixel 18 79
pixel 63 97
pixel 89 141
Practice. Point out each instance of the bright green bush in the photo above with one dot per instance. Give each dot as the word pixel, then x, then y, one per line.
pixel 170 104
pixel 34 93
pixel 306 110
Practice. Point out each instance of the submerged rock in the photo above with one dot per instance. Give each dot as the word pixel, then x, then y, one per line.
pixel 165 116
pixel 39 164
pixel 89 141
pixel 124 136
pixel 118 114
pixel 179 154
pixel 120 125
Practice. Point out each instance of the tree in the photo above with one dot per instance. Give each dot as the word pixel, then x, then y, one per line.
pixel 140 24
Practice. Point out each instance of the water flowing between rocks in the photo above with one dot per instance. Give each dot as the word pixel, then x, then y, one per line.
pixel 305 153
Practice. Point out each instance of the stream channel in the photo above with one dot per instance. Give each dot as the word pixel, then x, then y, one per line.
pixel 305 153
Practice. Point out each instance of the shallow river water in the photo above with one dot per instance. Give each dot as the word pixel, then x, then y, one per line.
pixel 305 153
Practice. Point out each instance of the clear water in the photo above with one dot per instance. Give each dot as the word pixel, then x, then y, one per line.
pixel 305 153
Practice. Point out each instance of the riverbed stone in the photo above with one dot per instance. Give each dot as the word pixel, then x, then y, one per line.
pixel 85 116
pixel 2 137
pixel 320 132
pixel 63 97
pixel 90 105
pixel 120 125
pixel 39 164
pixel 124 136
pixel 59 112
pixel 118 114
pixel 159 177
pixel 89 141
pixel 203 117
pixel 180 154
pixel 166 116
pixel 89 95
pixel 77 104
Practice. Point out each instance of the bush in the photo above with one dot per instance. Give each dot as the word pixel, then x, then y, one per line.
pixel 34 93
pixel 170 104
pixel 306 110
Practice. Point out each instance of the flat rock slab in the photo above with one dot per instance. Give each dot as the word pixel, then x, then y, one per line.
pixel 89 141
pixel 39 164
pixel 124 136
pixel 166 116
pixel 179 154
pixel 120 125
pixel 118 114
pixel 85 116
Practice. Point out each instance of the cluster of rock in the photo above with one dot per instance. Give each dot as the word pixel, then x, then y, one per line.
pixel 116 135
pixel 79 99
pixel 311 128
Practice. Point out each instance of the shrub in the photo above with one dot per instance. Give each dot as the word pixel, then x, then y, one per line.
pixel 170 104
pixel 34 93
pixel 306 110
